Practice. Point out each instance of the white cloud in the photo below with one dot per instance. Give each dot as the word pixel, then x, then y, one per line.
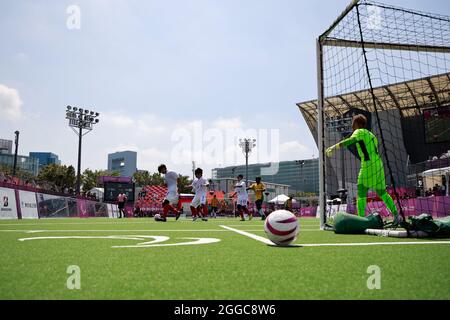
pixel 140 124
pixel 294 150
pixel 147 127
pixel 154 153
pixel 21 57
pixel 118 120
pixel 292 146
pixel 123 147
pixel 150 158
pixel 227 124
pixel 10 103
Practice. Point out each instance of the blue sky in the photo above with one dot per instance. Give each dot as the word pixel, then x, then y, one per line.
pixel 153 67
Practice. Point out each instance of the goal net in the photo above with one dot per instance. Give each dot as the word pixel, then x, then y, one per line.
pixel 391 65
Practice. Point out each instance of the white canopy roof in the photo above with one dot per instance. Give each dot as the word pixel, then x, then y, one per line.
pixel 436 172
pixel 281 199
pixel 99 192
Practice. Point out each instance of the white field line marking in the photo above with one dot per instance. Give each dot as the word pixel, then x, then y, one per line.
pixel 140 230
pixel 115 230
pixel 245 225
pixel 156 239
pixel 250 235
pixel 194 242
pixel 156 242
pixel 149 230
pixel 301 230
pixel 76 223
pixel 403 243
pixel 122 222
pixel 267 241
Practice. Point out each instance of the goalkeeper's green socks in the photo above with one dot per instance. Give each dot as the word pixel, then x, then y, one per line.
pixel 389 202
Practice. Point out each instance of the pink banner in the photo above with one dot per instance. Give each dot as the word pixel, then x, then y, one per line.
pixel 308 212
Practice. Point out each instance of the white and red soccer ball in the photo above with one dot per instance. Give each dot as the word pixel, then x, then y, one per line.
pixel 157 217
pixel 282 227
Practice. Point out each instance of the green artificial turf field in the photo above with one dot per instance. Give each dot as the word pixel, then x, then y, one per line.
pixel 236 267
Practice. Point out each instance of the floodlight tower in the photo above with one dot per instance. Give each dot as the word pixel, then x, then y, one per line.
pixel 247 146
pixel 80 119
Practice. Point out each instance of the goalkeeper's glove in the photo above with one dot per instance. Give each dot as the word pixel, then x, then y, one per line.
pixel 330 150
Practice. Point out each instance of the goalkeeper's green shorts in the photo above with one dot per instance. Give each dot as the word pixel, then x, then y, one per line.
pixel 371 175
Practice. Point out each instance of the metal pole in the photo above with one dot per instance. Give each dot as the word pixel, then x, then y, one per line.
pixel 79 119
pixel 340 18
pixel 343 167
pixel 448 184
pixel 246 161
pixel 80 137
pixel 321 136
pixel 15 153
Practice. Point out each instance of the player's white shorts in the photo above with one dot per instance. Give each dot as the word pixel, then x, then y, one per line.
pixel 242 202
pixel 199 199
pixel 173 198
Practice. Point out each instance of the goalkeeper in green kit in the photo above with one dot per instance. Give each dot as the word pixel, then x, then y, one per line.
pixel 371 174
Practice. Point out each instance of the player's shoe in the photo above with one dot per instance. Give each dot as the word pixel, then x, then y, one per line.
pixel 242 219
pixel 398 221
pixel 205 219
pixel 177 215
pixel 194 219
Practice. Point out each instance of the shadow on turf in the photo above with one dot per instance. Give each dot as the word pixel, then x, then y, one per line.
pixel 292 246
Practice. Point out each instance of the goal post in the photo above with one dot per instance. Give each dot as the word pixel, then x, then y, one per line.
pixel 391 65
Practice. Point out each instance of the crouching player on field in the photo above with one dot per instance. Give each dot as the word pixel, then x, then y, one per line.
pixel 171 178
pixel 242 201
pixel 371 174
pixel 198 205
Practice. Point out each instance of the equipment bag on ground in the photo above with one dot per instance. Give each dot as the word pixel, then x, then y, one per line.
pixel 435 228
pixel 345 223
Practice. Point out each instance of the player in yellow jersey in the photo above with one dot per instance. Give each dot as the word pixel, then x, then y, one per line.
pixel 259 189
pixel 214 206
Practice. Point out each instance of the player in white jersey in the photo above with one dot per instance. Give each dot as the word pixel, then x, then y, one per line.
pixel 242 197
pixel 200 187
pixel 171 201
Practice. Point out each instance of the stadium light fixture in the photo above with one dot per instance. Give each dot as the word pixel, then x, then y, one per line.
pixel 80 120
pixel 247 145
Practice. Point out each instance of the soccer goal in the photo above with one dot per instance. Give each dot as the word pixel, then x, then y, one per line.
pixel 391 65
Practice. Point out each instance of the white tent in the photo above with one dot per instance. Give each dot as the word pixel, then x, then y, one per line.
pixel 281 199
pixel 436 172
pixel 99 193
pixel 434 176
